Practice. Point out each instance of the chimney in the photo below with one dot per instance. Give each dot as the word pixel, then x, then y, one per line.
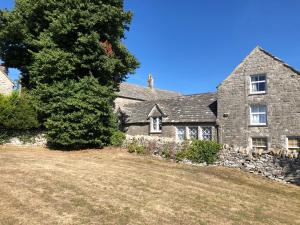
pixel 150 81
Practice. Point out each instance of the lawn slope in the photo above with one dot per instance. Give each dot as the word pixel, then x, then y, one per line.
pixel 110 186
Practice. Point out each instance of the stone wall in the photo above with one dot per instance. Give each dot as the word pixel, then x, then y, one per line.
pixel 120 102
pixel 283 166
pixel 282 99
pixel 279 166
pixel 24 139
pixel 168 131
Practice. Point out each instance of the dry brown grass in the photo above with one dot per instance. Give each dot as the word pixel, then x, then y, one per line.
pixel 39 186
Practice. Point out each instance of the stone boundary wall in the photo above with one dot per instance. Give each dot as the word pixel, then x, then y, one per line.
pixel 24 139
pixel 283 166
pixel 280 165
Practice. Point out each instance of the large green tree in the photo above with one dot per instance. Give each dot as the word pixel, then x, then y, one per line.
pixel 64 42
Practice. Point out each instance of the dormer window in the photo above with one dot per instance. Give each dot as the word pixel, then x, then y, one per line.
pixel 258 84
pixel 155 124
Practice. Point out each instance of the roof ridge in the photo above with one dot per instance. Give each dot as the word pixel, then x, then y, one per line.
pixel 145 87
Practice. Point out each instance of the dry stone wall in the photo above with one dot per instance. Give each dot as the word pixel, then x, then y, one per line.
pixel 280 166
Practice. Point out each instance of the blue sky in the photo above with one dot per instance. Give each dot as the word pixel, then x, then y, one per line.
pixel 191 46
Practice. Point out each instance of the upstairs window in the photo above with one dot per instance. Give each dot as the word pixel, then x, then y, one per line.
pixel 293 143
pixel 260 144
pixel 258 115
pixel 258 84
pixel 155 124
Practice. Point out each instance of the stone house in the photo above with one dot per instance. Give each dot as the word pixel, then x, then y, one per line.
pixel 189 116
pixel 6 85
pixel 256 107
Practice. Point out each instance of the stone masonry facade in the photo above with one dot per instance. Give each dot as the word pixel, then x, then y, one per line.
pixel 281 98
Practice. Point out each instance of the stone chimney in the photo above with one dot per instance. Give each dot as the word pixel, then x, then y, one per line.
pixel 150 81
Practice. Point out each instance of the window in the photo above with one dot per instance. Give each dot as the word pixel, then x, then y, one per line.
pixel 206 133
pixel 260 143
pixel 258 84
pixel 193 132
pixel 258 115
pixel 155 124
pixel 180 133
pixel 294 143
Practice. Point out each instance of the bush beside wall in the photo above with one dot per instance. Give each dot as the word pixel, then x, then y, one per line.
pixel 17 112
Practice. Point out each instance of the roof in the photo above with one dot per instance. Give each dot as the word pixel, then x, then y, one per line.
pixel 134 91
pixel 187 108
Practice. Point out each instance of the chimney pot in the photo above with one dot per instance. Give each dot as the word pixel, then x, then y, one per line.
pixel 150 81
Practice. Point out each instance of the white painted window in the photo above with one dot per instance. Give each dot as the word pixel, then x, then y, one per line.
pixel 193 132
pixel 293 143
pixel 181 133
pixel 258 115
pixel 260 143
pixel 206 133
pixel 155 124
pixel 258 84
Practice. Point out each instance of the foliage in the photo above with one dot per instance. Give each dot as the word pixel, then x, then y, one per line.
pixel 200 151
pixel 56 40
pixel 117 138
pixel 71 57
pixel 17 112
pixel 168 151
pixel 4 137
pixel 134 147
pixel 77 118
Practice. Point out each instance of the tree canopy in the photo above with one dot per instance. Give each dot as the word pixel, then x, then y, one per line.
pixel 58 43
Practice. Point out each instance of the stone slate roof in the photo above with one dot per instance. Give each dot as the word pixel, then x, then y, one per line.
pixel 134 91
pixel 187 108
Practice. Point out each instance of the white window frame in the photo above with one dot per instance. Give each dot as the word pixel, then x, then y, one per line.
pixel 257 82
pixel 287 142
pixel 267 143
pixel 185 133
pixel 258 113
pixel 157 130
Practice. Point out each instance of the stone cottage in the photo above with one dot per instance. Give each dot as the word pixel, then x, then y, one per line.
pixel 257 106
pixel 6 85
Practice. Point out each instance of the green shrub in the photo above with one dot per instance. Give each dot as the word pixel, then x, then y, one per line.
pixel 135 147
pixel 4 137
pixel 117 138
pixel 168 151
pixel 200 151
pixel 17 112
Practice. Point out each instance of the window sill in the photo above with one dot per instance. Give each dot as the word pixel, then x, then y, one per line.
pixel 155 132
pixel 257 93
pixel 258 125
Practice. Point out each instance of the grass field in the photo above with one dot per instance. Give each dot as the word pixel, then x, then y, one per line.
pixel 111 186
